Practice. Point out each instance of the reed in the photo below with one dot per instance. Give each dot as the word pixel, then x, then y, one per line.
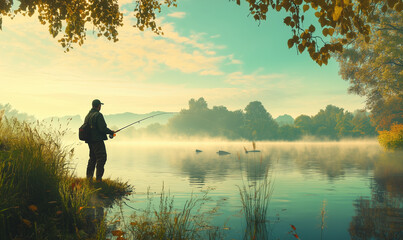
pixel 39 196
pixel 167 222
pixel 255 198
pixel 323 219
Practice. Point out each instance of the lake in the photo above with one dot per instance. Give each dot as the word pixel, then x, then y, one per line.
pixel 327 190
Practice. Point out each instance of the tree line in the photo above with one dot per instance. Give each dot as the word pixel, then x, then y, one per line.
pixel 256 123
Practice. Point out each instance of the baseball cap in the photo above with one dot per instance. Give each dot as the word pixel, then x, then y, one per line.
pixel 96 103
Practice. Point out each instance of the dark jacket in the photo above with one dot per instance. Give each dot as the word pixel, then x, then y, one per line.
pixel 98 126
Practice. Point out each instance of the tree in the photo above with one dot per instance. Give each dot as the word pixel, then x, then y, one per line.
pixel 200 120
pixel 374 67
pixel 73 17
pixel 362 125
pixel 193 120
pixel 289 133
pixel 259 124
pixel 305 124
pixel 197 106
pixel 385 113
pixel 344 126
pixel 325 121
pixel 350 18
pixel 227 123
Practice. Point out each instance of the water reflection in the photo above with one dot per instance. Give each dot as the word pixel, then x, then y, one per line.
pixel 332 160
pixel 305 174
pixel 381 216
pixel 198 167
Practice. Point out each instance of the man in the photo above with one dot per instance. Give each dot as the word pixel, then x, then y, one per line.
pixel 96 144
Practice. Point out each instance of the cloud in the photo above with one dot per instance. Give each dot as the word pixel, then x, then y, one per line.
pixel 138 53
pixel 177 14
pixel 233 60
pixel 140 73
pixel 35 68
pixel 240 78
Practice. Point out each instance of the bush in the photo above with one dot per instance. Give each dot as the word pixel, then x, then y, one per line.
pixel 393 139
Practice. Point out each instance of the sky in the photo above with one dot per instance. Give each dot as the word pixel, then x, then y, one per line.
pixel 210 49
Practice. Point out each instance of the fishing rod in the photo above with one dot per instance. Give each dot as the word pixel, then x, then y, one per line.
pixel 138 121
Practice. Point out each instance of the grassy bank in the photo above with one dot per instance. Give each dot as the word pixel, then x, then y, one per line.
pixel 40 198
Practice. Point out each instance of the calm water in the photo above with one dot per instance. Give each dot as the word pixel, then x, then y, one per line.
pixel 360 185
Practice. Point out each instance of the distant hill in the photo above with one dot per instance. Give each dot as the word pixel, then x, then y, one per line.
pixel 284 120
pixel 13 113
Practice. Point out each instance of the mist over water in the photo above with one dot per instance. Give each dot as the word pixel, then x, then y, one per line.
pixel 352 178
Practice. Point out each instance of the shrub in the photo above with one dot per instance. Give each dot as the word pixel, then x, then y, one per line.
pixel 392 139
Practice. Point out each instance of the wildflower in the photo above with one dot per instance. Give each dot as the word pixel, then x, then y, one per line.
pixel 117 233
pixel 33 208
pixel 27 222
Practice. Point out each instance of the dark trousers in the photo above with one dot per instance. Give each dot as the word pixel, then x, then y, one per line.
pixel 97 159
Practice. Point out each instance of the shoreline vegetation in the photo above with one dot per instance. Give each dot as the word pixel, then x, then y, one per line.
pixel 254 123
pixel 41 198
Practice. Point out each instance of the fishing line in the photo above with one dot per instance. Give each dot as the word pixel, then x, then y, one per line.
pixel 138 121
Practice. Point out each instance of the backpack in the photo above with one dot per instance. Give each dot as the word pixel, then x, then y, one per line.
pixel 84 132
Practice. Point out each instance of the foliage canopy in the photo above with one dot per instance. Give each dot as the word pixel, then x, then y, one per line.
pixel 256 123
pixel 374 69
pixel 345 19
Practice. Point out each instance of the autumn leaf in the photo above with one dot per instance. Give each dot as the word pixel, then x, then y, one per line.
pixel 33 208
pixel 27 222
pixel 117 233
pixel 305 7
pixel 287 20
pixel 337 13
pixel 325 32
pixel 301 48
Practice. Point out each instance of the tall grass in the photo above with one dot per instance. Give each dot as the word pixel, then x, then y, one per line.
pixel 165 221
pixel 255 198
pixel 39 196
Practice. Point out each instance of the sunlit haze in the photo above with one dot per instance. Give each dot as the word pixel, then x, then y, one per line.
pixel 224 56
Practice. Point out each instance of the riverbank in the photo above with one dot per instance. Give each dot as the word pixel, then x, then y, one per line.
pixel 40 197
